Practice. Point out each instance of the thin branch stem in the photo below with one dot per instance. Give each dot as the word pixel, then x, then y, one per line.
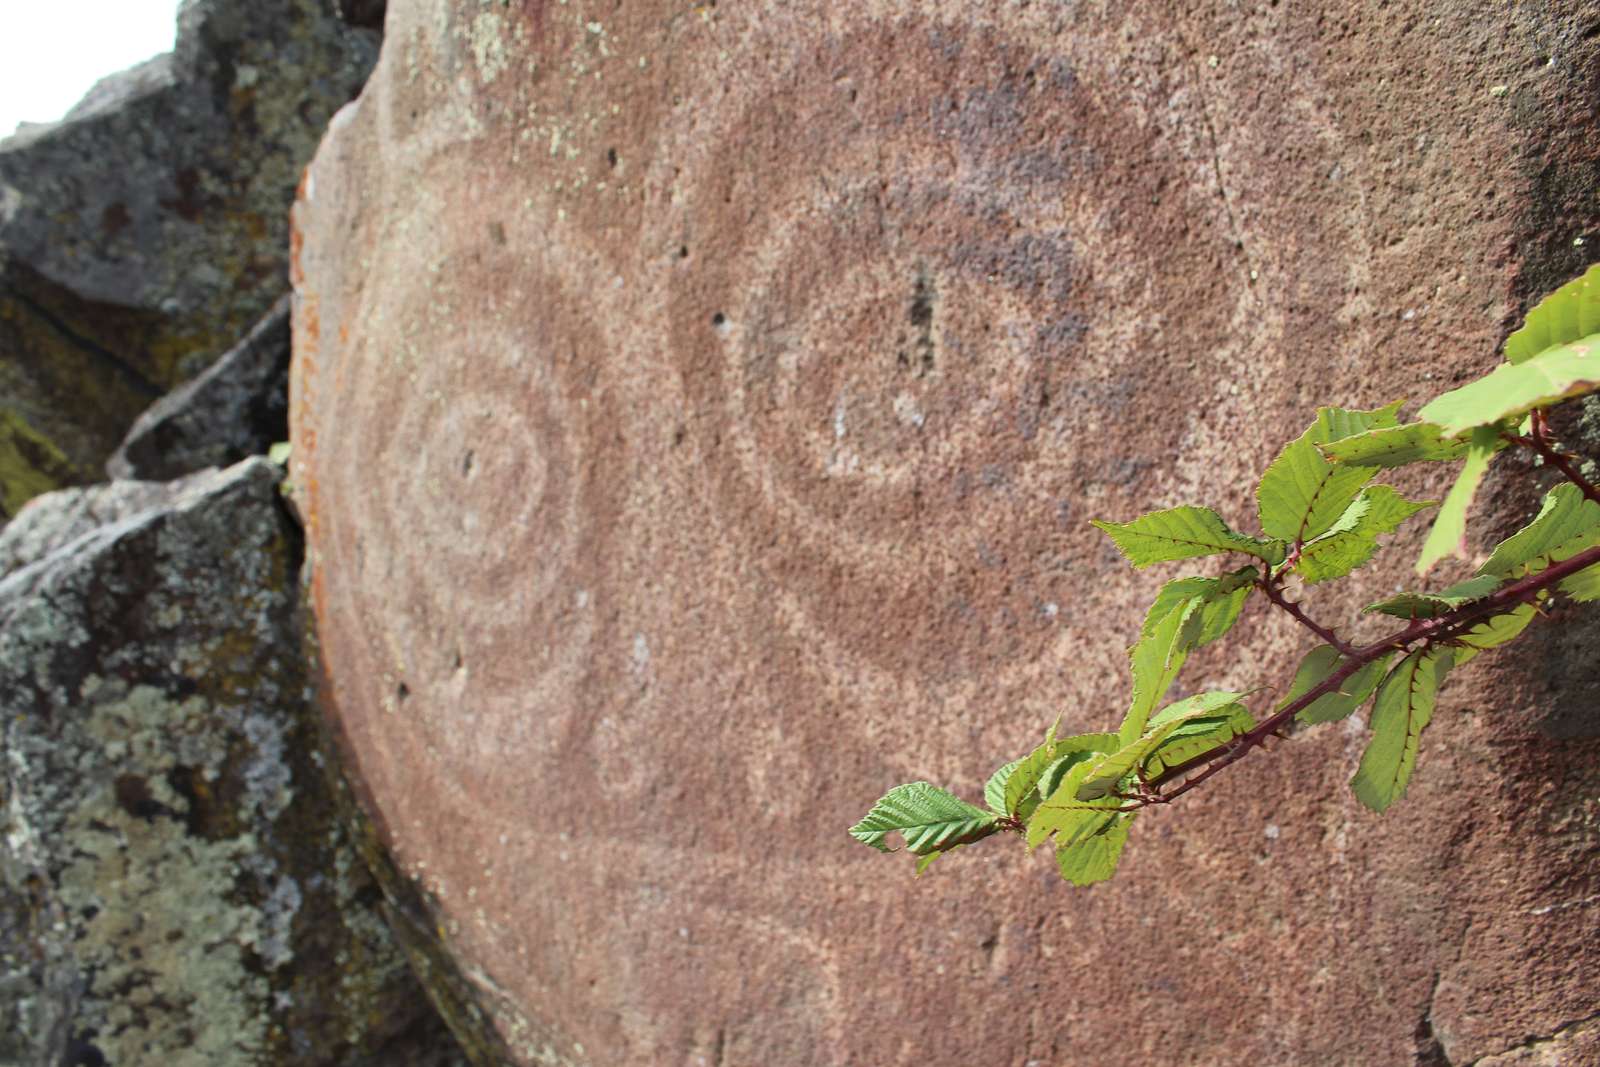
pixel 1295 611
pixel 1539 441
pixel 1434 630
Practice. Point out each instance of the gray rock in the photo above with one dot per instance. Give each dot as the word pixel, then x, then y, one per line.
pixel 147 231
pixel 50 521
pixel 177 885
pixel 237 408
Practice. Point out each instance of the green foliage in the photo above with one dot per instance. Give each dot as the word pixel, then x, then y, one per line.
pixel 1321 517
pixel 1568 314
pixel 928 818
pixel 1404 706
pixel 1430 605
pixel 1302 494
pixel 1567 524
pixel 1351 692
pixel 1449 533
pixel 1353 539
pixel 1396 446
pixel 1184 533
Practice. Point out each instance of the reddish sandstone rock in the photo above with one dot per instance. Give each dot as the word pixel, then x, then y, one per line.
pixel 697 414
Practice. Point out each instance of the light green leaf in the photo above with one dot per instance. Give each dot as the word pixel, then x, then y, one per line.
pixel 1197 737
pixel 1064 814
pixel 1568 314
pixel 926 861
pixel 1183 533
pixel 279 453
pixel 1449 533
pixel 994 790
pixel 1352 692
pixel 1156 660
pixel 1511 389
pixel 1022 792
pixel 1567 523
pixel 1428 605
pixel 1211 702
pixel 1093 858
pixel 1491 632
pixel 1223 599
pixel 1106 772
pixel 1302 494
pixel 1585 585
pixel 1353 540
pixel 929 819
pixel 1395 446
pixel 1402 709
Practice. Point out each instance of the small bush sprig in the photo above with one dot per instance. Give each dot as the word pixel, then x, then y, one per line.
pixel 1321 517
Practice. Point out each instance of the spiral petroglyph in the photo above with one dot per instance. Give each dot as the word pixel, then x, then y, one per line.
pixel 486 506
pixel 898 365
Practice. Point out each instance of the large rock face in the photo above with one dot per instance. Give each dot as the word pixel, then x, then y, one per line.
pixel 145 233
pixel 177 884
pixel 696 415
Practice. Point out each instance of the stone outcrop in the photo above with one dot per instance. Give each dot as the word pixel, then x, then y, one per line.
pixel 237 407
pixel 696 417
pixel 145 233
pixel 177 883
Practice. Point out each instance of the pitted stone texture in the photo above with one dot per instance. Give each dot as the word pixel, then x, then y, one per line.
pixel 147 231
pixel 696 420
pixel 175 884
pixel 237 408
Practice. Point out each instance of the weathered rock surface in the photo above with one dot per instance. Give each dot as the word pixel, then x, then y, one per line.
pixel 238 407
pixel 147 232
pixel 696 417
pixel 176 883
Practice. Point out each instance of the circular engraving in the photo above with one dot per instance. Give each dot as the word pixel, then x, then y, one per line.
pixel 470 531
pixel 896 350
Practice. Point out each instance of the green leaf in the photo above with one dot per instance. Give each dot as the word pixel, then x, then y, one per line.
pixel 1490 633
pixel 1428 605
pixel 1156 660
pixel 1330 707
pixel 1106 772
pixel 994 790
pixel 929 819
pixel 1183 533
pixel 1065 815
pixel 1050 780
pixel 1567 523
pixel 1395 446
pixel 1449 533
pixel 924 862
pixel 1568 314
pixel 1302 494
pixel 1585 585
pixel 1511 389
pixel 1021 790
pixel 1222 600
pixel 1197 737
pixel 1353 540
pixel 1092 859
pixel 1402 709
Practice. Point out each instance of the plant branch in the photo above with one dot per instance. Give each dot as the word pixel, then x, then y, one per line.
pixel 1274 594
pixel 1539 441
pixel 1437 629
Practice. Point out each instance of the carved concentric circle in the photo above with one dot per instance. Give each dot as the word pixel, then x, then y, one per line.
pixel 895 350
pixel 469 530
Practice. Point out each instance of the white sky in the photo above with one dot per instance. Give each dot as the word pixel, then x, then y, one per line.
pixel 52 51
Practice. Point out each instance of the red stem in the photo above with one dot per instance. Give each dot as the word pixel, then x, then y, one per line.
pixel 1538 440
pixel 1274 594
pixel 1433 630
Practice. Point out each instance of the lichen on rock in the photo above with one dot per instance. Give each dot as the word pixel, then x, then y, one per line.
pixel 175 877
